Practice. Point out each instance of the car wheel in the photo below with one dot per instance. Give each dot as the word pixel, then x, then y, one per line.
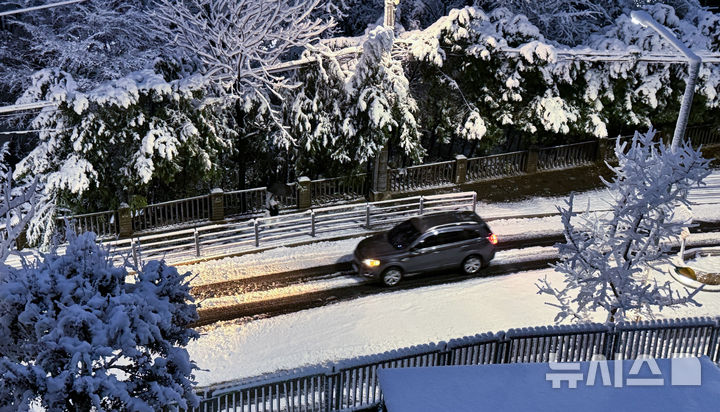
pixel 392 276
pixel 472 265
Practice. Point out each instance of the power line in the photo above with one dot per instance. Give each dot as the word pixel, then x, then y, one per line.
pixel 32 131
pixel 44 6
pixel 26 106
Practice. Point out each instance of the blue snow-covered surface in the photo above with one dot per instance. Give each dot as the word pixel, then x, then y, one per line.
pixel 525 387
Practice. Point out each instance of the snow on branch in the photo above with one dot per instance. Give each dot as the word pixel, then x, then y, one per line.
pixel 607 257
pixel 236 41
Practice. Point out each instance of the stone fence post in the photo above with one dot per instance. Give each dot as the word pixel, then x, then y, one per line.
pixel 380 175
pixel 304 196
pixel 125 227
pixel 217 205
pixel 532 159
pixel 602 150
pixel 460 169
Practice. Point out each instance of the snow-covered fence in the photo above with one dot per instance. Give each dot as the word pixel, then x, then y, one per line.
pixel 353 384
pixel 488 167
pixel 567 343
pixel 307 193
pixel 421 176
pixel 104 224
pixel 558 157
pixel 193 209
pixel 324 191
pixel 225 239
pixel 244 202
pixel 289 198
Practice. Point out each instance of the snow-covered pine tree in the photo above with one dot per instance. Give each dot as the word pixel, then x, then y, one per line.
pixel 75 334
pixel 606 253
pixel 315 115
pixel 381 110
pixel 127 137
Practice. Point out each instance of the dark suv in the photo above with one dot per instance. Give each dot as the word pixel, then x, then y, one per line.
pixel 429 242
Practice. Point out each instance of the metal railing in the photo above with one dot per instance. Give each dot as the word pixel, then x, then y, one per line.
pixel 244 202
pixel 104 224
pixel 703 135
pixel 353 384
pixel 193 209
pixel 421 176
pixel 443 174
pixel 558 157
pixel 488 167
pixel 289 200
pixel 336 189
pixel 287 229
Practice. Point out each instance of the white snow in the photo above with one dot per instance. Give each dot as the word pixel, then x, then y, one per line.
pixel 486 387
pixel 378 323
pixel 383 322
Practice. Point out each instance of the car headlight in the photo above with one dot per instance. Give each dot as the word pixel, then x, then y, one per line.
pixel 371 263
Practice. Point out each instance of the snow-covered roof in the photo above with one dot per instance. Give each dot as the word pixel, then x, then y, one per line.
pixel 529 387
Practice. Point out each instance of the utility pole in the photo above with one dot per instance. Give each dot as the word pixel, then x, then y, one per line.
pixel 389 20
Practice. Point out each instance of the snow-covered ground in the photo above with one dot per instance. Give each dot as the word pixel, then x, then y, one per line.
pixel 383 322
pixel 378 323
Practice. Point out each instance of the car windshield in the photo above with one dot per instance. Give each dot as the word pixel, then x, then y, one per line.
pixel 402 235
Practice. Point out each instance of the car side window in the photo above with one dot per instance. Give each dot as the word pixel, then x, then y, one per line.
pixel 430 241
pixel 471 234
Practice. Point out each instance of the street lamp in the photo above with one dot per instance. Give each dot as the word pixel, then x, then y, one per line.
pixel 644 19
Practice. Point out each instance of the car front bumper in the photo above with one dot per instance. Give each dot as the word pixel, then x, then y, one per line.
pixel 363 270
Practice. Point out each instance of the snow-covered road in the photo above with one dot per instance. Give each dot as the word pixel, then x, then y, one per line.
pixel 389 321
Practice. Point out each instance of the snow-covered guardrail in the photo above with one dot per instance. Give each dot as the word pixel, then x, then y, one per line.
pixel 352 384
pixel 214 241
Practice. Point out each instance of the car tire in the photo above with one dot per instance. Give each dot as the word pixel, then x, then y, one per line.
pixel 391 276
pixel 472 265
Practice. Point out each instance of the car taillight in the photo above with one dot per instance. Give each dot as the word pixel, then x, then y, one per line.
pixel 492 238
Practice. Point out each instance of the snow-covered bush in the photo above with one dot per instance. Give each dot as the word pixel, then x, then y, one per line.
pixel 77 334
pixel 125 138
pixel 606 253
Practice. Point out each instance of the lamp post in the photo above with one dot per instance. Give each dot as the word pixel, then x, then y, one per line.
pixel 643 18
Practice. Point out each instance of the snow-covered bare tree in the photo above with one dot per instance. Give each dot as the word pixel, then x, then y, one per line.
pixel 238 41
pixel 17 207
pixel 606 253
pixel 381 110
pixel 76 335
pixel 94 41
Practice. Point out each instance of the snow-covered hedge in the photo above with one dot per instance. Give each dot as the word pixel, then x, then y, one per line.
pixel 123 138
pixel 503 73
